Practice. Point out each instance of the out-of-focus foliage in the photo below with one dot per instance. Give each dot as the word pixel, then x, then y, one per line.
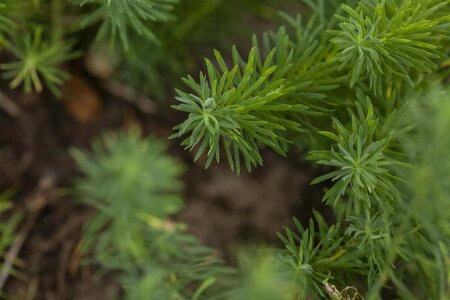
pixel 161 33
pixel 38 61
pixel 41 35
pixel 118 18
pixel 7 228
pixel 261 276
pixel 197 23
pixel 135 187
pixel 6 24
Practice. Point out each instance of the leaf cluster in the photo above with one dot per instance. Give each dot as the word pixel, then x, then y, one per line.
pixel 38 61
pixel 298 72
pixel 361 162
pixel 386 169
pixel 246 106
pixel 391 41
pixel 240 108
pixel 314 256
pixel 135 186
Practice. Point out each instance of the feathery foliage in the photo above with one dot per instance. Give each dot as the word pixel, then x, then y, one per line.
pixel 391 41
pixel 245 106
pixel 275 87
pixel 315 256
pixel 118 17
pixel 239 109
pixel 364 70
pixel 38 60
pixel 355 85
pixel 362 165
pixel 40 34
pixel 135 187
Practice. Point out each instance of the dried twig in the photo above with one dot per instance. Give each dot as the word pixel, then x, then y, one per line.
pixel 9 106
pixel 348 293
pixel 130 95
pixel 35 203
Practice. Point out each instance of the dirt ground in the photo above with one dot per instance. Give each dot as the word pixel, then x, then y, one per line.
pixel 222 209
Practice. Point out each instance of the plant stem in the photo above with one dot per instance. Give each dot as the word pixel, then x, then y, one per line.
pixel 56 19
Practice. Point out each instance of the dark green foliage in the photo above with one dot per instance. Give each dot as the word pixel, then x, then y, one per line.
pixel 245 106
pixel 391 41
pixel 6 24
pixel 304 69
pixel 385 158
pixel 41 52
pixel 315 256
pixel 180 43
pixel 118 17
pixel 8 227
pixel 239 108
pixel 361 165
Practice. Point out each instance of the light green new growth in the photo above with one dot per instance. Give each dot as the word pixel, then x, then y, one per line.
pixel 38 60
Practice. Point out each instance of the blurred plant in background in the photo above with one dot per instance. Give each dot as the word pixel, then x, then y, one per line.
pixel 118 18
pixel 135 187
pixel 161 33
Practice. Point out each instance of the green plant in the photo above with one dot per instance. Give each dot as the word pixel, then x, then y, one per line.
pixel 135 187
pixel 365 72
pixel 132 31
pixel 361 163
pixel 165 64
pixel 40 34
pixel 117 17
pixel 316 257
pixel 357 86
pixel 37 59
